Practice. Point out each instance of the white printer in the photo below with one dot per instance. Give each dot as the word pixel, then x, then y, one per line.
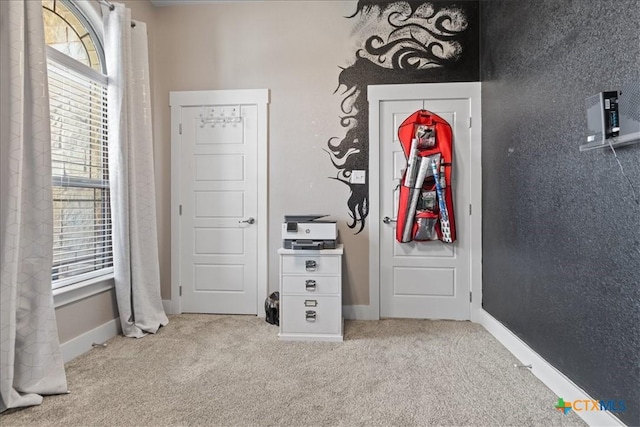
pixel 309 232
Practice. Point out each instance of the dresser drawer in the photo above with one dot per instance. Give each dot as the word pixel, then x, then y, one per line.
pixel 311 264
pixel 312 315
pixel 311 285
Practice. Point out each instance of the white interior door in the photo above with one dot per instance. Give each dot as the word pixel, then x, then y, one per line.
pixel 424 279
pixel 220 220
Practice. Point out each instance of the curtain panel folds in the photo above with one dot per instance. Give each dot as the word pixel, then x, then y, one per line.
pixel 133 204
pixel 31 364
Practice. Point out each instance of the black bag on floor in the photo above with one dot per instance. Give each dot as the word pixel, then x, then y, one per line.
pixel 271 308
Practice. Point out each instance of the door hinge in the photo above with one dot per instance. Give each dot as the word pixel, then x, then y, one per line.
pixel 470 209
pixel 180 288
pixel 470 296
pixel 470 123
pixel 180 128
pixel 180 210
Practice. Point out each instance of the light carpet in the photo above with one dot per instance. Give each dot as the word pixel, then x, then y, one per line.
pixel 216 370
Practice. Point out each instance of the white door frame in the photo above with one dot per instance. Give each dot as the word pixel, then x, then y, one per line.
pixel 260 98
pixel 404 92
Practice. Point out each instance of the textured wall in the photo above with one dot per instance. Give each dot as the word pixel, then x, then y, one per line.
pixel 561 248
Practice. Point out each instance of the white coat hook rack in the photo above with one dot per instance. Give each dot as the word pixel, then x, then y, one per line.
pixel 223 116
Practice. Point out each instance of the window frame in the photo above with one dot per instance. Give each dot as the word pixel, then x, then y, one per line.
pixel 92 23
pixel 79 286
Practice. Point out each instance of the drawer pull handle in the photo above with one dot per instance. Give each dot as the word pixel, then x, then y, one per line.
pixel 310 315
pixel 310 285
pixel 310 303
pixel 310 265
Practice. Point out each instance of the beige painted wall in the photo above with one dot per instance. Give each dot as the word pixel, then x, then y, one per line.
pixel 295 50
pixel 79 317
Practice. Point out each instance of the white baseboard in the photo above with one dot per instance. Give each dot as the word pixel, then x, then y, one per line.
pixel 545 372
pixel 83 343
pixel 167 305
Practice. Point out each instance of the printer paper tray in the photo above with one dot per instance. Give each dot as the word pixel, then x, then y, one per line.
pixel 309 244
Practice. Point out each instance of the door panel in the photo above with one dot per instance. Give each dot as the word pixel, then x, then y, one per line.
pixel 218 241
pixel 438 281
pixel 424 279
pixel 218 204
pixel 219 192
pixel 220 167
pixel 225 278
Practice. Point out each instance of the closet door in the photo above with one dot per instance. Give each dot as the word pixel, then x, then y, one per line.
pixel 220 221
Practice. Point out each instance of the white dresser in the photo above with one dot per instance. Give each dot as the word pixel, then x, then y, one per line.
pixel 311 294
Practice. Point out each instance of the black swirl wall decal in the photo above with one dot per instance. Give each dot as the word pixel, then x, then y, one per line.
pixel 404 42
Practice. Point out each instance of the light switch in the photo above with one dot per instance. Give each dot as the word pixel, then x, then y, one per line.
pixel 358 177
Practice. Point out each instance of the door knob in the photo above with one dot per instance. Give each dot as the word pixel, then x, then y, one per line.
pixel 388 220
pixel 250 220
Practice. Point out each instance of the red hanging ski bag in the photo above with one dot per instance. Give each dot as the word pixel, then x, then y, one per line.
pixel 425 209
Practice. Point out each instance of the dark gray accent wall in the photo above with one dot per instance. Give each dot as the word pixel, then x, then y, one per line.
pixel 561 232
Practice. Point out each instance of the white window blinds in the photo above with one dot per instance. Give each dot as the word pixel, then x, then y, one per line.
pixel 82 220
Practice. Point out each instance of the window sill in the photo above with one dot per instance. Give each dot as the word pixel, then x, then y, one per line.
pixel 79 291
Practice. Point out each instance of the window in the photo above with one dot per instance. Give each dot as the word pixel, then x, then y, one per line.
pixel 82 246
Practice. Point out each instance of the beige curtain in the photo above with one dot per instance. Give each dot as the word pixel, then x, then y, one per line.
pixel 30 361
pixel 133 204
